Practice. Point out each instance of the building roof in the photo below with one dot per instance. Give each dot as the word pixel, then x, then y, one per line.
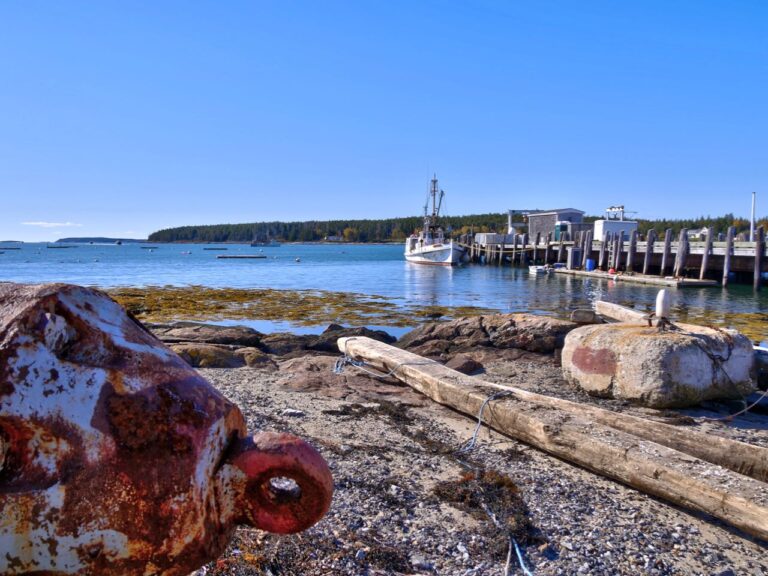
pixel 554 211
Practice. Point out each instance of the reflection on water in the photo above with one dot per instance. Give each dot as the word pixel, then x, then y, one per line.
pixel 378 270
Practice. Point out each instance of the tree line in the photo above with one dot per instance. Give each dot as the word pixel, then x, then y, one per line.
pixel 397 229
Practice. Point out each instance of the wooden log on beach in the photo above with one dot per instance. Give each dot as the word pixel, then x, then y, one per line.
pixel 759 249
pixel 575 433
pixel 648 250
pixel 666 251
pixel 705 256
pixel 728 254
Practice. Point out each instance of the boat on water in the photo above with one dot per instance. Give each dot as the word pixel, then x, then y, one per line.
pixel 540 269
pixel 430 246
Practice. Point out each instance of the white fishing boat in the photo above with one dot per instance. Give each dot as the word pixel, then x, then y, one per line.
pixel 430 246
pixel 540 269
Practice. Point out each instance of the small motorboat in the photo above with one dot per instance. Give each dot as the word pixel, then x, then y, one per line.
pixel 539 269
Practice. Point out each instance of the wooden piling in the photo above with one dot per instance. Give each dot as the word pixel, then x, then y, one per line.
pixel 618 244
pixel 631 251
pixel 546 248
pixel 560 250
pixel 536 247
pixel 586 249
pixel 705 256
pixel 524 252
pixel 601 256
pixel 666 252
pixel 728 253
pixel 649 241
pixel 759 248
pixel 682 253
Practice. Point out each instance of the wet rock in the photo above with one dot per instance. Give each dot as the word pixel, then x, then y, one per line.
pixel 327 341
pixel 316 374
pixel 206 333
pixel 526 331
pixel 284 343
pixel 255 358
pixel 464 364
pixel 208 355
pixel 585 316
pixel 673 368
pixel 761 369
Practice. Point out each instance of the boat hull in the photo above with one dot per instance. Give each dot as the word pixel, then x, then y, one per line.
pixel 446 254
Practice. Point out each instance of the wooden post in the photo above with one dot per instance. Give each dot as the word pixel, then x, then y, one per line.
pixel 546 248
pixel 665 253
pixel 524 253
pixel 618 244
pixel 631 251
pixel 587 250
pixel 648 250
pixel 514 248
pixel 536 247
pixel 705 256
pixel 560 249
pixel 759 248
pixel 728 252
pixel 501 254
pixel 682 253
pixel 601 256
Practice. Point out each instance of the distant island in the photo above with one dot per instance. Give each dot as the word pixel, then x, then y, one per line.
pixel 394 229
pixel 99 240
pixel 385 230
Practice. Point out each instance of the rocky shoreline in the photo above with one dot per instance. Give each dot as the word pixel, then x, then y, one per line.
pixel 409 501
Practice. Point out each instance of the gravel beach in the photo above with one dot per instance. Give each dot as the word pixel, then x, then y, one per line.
pixel 409 500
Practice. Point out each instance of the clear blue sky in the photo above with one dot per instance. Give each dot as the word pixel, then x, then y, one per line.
pixel 121 118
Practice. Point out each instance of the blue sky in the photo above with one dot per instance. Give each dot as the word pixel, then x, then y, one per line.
pixel 121 118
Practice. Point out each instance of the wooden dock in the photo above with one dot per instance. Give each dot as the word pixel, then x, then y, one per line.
pixel 668 282
pixel 657 256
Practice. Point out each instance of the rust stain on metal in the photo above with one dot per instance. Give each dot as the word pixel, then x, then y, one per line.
pixel 595 360
pixel 118 458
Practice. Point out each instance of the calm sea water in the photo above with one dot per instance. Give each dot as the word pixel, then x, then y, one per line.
pixel 367 269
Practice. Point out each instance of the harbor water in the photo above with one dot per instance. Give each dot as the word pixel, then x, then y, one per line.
pixel 371 270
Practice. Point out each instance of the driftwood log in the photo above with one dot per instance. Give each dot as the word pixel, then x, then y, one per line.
pixel 609 444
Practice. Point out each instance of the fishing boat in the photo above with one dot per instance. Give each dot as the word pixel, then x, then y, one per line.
pixel 540 269
pixel 430 246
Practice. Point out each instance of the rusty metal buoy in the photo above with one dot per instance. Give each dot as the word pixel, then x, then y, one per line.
pixel 116 457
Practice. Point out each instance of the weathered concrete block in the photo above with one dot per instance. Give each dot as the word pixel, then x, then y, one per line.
pixel 673 368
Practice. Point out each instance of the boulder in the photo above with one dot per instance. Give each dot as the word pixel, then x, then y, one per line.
pixel 327 341
pixel 531 332
pixel 208 355
pixel 255 358
pixel 678 367
pixel 284 343
pixel 316 374
pixel 206 333
pixel 464 364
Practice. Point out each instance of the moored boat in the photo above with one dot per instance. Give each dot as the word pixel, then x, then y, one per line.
pixel 430 246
